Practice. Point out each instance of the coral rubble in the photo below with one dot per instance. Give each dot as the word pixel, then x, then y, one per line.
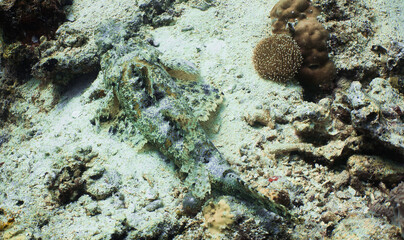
pixel 376 113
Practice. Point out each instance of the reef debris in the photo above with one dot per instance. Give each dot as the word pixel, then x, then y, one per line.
pixel 375 169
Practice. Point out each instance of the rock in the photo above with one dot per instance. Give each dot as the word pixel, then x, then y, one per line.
pixel 341 179
pixel 397 205
pixel 377 113
pixel 156 204
pixel 329 217
pixel 280 196
pixel 100 184
pixel 356 228
pixel 259 117
pixel 375 169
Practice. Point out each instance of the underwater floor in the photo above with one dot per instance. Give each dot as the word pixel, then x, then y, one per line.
pixel 201 119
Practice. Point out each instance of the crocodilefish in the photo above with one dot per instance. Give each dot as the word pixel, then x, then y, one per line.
pixel 166 102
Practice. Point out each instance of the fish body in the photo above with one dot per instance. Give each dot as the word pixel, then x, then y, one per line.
pixel 166 103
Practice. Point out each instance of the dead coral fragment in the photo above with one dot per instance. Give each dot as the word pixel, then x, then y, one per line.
pixel 277 57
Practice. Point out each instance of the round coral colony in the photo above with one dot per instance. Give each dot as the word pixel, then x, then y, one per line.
pixel 277 58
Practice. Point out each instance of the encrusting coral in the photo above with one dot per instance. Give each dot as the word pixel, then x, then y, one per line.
pixel 218 216
pixel 277 57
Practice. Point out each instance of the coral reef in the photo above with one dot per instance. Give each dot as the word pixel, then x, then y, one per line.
pixel 358 47
pixel 69 56
pixel 24 24
pixel 296 18
pixel 376 112
pixel 277 58
pixel 357 119
pixel 62 54
pixel 17 60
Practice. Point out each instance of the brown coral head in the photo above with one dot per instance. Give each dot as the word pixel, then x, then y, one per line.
pixel 290 11
pixel 317 71
pixel 317 76
pixel 277 58
pixel 310 34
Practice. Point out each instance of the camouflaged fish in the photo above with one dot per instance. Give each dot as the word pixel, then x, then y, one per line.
pixel 165 102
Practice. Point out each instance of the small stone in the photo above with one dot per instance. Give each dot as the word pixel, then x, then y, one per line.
pixel 341 179
pixel 154 205
pixel 187 28
pixel 281 197
pixel 328 217
pixel 343 195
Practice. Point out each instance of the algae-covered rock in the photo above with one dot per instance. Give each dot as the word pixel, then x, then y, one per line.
pixel 62 60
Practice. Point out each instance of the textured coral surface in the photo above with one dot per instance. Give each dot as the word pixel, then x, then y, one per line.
pixel 277 58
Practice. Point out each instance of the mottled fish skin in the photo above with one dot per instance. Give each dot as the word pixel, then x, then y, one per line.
pixel 152 99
